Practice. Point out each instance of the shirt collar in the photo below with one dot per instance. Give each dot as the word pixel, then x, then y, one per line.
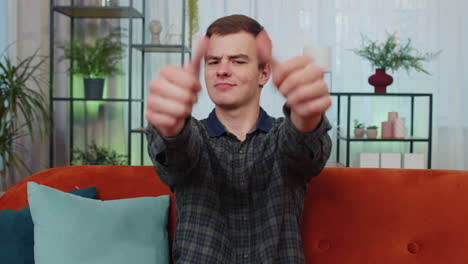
pixel 215 127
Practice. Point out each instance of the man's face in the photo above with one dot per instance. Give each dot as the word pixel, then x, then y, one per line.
pixel 232 75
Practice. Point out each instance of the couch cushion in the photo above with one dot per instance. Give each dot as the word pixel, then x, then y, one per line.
pixel 17 232
pixel 71 229
pixel 112 182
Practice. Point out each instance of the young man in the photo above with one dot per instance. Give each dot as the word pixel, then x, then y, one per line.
pixel 239 176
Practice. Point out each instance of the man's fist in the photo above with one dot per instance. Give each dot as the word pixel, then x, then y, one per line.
pixel 302 84
pixel 173 93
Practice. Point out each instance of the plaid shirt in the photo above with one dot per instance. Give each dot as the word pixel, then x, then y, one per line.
pixel 239 202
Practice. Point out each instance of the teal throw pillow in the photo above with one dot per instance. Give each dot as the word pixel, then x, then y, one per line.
pixel 74 230
pixel 17 232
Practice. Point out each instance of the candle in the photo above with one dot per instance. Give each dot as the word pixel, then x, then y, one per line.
pixel 399 127
pixel 392 116
pixel 387 129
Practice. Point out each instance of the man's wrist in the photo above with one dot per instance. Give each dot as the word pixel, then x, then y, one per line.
pixel 174 131
pixel 305 125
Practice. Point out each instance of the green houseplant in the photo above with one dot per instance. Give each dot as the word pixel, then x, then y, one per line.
pixel 98 155
pixel 371 132
pixel 23 110
pixel 358 129
pixel 390 55
pixel 193 19
pixel 95 61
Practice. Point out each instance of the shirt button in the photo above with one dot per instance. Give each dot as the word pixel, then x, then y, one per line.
pixel 241 151
pixel 246 256
pixel 244 218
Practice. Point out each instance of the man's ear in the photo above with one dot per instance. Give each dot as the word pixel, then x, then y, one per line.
pixel 265 73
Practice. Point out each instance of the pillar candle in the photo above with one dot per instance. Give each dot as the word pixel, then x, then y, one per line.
pixel 387 129
pixel 399 127
pixel 392 116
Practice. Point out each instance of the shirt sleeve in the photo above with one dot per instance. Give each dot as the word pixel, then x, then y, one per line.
pixel 174 157
pixel 305 153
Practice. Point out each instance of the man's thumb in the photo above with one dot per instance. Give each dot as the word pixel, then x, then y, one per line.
pixel 265 49
pixel 194 65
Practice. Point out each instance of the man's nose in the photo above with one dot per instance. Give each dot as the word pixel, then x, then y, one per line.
pixel 224 69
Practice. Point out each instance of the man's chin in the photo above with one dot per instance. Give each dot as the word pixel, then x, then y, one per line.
pixel 226 105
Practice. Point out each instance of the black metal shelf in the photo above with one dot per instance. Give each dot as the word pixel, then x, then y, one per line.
pixel 138 130
pixel 98 12
pixel 161 48
pixel 411 139
pixel 382 94
pixel 103 99
pixel 73 14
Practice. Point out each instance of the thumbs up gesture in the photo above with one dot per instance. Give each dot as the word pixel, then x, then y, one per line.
pixel 302 84
pixel 173 93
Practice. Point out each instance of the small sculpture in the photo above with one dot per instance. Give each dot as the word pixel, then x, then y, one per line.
pixel 155 29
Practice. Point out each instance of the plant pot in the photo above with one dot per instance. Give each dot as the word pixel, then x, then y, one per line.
pixel 371 133
pixel 358 132
pixel 93 88
pixel 380 80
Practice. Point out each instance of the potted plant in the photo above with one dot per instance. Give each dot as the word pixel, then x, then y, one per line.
pixel 23 110
pixel 98 155
pixel 371 132
pixel 358 129
pixel 95 61
pixel 192 19
pixel 390 55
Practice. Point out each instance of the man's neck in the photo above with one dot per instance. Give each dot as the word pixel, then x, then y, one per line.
pixel 239 121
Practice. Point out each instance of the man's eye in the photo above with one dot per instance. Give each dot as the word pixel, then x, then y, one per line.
pixel 239 62
pixel 212 62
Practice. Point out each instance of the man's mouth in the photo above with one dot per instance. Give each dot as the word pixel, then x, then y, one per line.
pixel 224 85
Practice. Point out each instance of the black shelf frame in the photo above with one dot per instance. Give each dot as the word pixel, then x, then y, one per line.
pixel 411 140
pixel 117 12
pixel 89 12
pixel 152 48
pixel 161 48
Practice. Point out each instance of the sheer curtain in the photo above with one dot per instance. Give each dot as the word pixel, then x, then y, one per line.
pixel 431 25
pixel 24 29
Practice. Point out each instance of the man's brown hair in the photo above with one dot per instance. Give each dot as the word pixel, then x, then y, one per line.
pixel 234 24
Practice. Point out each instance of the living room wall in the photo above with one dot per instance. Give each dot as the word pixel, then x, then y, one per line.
pixel 431 25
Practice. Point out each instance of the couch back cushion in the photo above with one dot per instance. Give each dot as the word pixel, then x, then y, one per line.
pixel 386 216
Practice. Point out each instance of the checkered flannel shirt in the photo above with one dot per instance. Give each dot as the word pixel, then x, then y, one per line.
pixel 239 201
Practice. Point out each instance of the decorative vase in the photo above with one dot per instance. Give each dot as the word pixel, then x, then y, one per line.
pixel 380 80
pixel 94 88
pixel 155 28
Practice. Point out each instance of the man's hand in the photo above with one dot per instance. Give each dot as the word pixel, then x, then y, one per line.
pixel 301 82
pixel 173 93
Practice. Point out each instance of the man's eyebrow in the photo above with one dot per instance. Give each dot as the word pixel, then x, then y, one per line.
pixel 212 57
pixel 235 56
pixel 239 56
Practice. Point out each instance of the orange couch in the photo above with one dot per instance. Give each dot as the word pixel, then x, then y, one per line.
pixel 350 216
